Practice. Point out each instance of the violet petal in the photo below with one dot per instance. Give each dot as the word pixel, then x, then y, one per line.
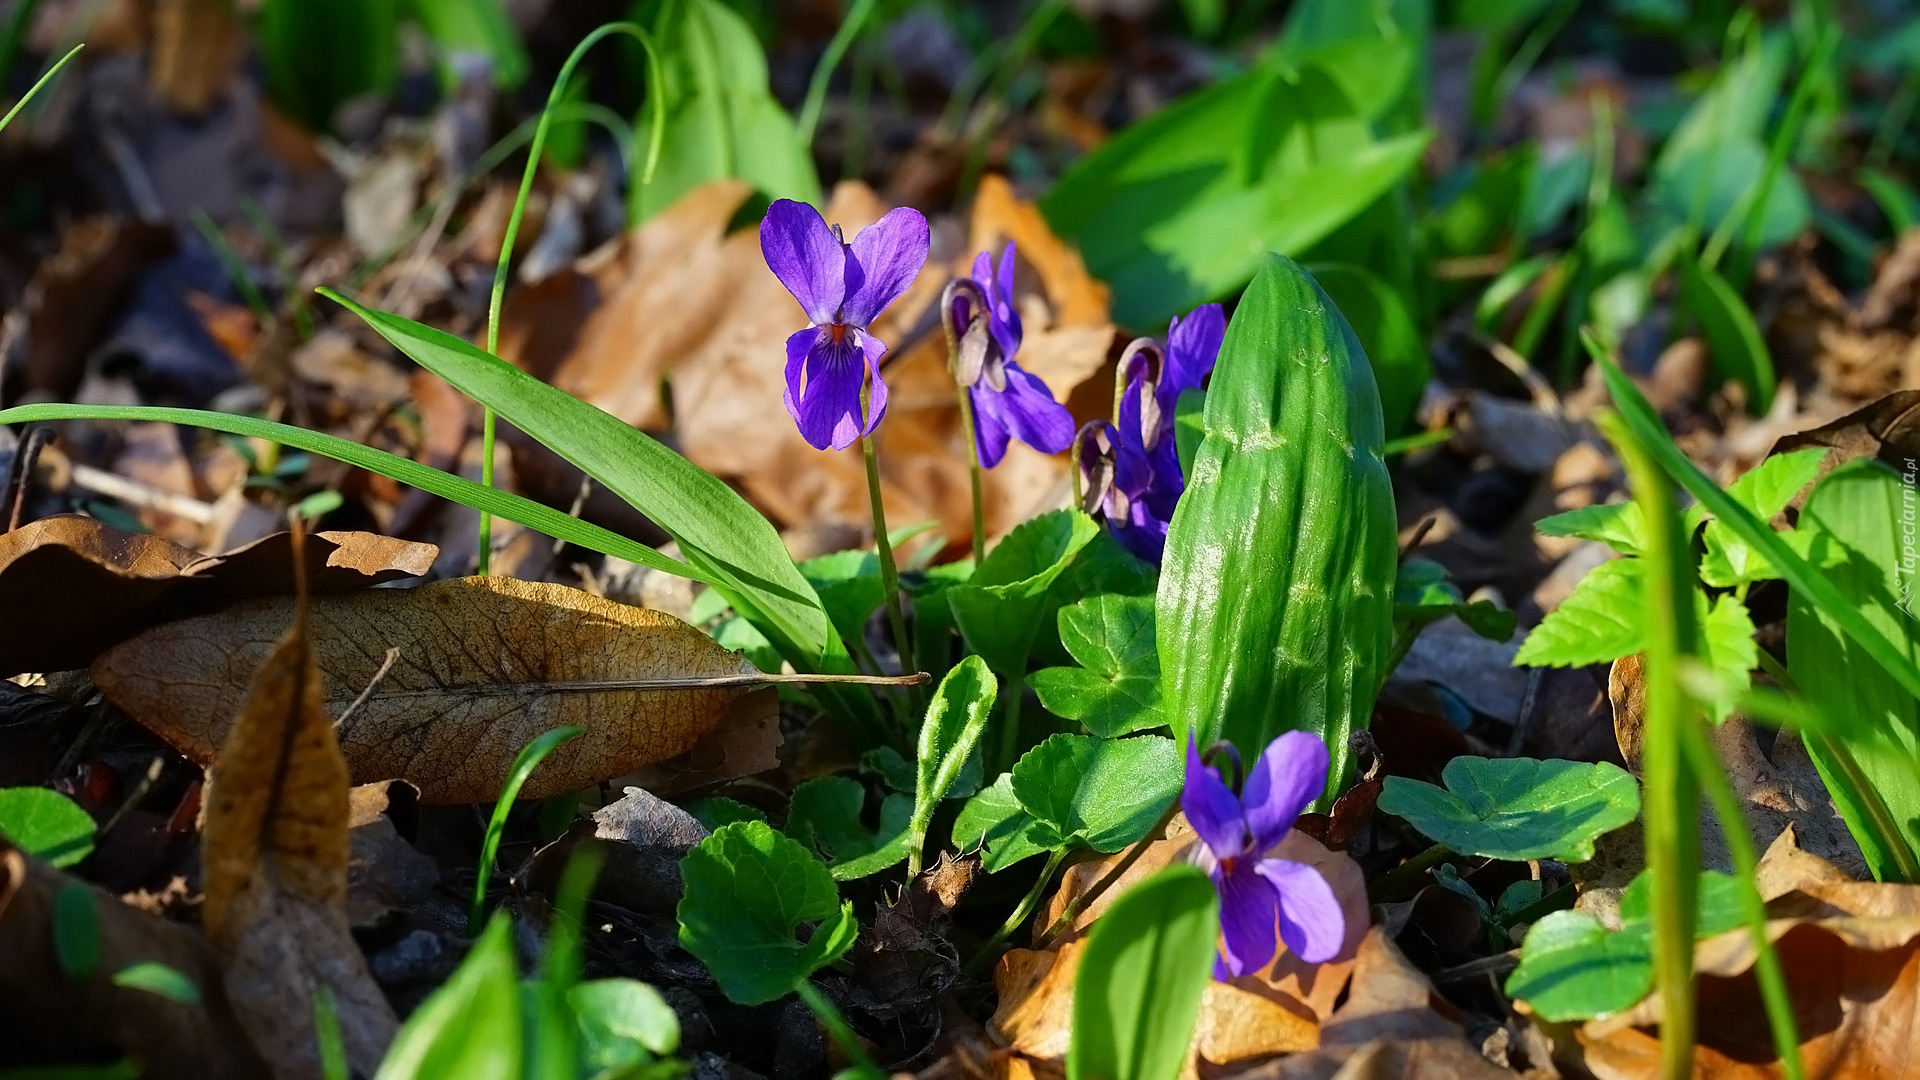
pixel 802 253
pixel 1311 920
pixel 1212 809
pixel 1193 345
pixel 989 434
pixel 828 412
pixel 881 262
pixel 1030 413
pixel 1249 907
pixel 1289 775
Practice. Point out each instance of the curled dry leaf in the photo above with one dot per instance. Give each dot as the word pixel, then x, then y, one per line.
pixel 275 850
pixel 486 665
pixel 89 585
pixel 1851 954
pixel 1277 1010
pixel 53 1018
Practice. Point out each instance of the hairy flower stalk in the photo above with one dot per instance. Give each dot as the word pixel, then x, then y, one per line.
pixel 1259 892
pixel 834 390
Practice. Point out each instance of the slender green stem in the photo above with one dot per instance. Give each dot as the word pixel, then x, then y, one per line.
pixel 554 100
pixel 35 88
pixel 850 28
pixel 528 760
pixel 1733 825
pixel 1064 924
pixel 883 547
pixel 1398 881
pixel 1015 689
pixel 1671 786
pixel 1020 912
pixel 973 476
pixel 842 1032
pixel 1893 119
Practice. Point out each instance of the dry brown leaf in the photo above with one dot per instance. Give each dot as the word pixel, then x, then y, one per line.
pixel 196 44
pixel 274 848
pixel 88 585
pixel 1851 953
pixel 1888 429
pixel 74 295
pixel 486 665
pixel 52 1018
pixel 686 304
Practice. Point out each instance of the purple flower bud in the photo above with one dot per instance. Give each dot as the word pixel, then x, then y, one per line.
pixel 842 287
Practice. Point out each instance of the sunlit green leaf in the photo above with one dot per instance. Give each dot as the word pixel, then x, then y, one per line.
pixel 1517 808
pixel 747 889
pixel 1146 964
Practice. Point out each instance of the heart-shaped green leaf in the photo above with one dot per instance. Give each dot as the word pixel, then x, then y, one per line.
pixel 1103 793
pixel 1116 690
pixel 825 815
pixel 996 825
pixel 999 609
pixel 1517 808
pixel 46 824
pixel 748 888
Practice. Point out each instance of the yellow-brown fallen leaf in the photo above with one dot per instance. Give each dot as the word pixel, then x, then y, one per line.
pixel 1851 953
pixel 274 849
pixel 485 666
pixel 1277 1010
pixel 53 1018
pixel 89 585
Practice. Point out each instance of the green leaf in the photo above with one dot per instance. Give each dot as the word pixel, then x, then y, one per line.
pixel 1602 619
pixel 1116 690
pixel 1733 338
pixel 848 584
pixel 1189 427
pixel 1573 968
pixel 1101 793
pixel 1517 808
pixel 1184 205
pixel 726 541
pixel 1422 594
pixel 995 824
pixel 999 608
pixel 480 28
pixel 1865 511
pixel 76 930
pixel 319 53
pixel 722 121
pixel 617 1016
pixel 159 979
pixel 471 1025
pixel 1146 964
pixel 1765 491
pixel 748 888
pixel 527 760
pixel 949 735
pixel 1620 526
pixel 824 814
pixel 1730 649
pixel 1381 320
pixel 1275 607
pixel 46 824
pixel 717 810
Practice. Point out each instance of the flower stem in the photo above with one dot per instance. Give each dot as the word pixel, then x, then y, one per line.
pixel 973 475
pixel 1064 924
pixel 889 575
pixel 1020 912
pixel 486 480
pixel 1394 882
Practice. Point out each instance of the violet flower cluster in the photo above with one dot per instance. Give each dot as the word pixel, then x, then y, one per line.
pixel 1257 892
pixel 834 389
pixel 1130 469
pixel 1008 402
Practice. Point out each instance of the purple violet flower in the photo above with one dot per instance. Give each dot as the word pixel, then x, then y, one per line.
pixel 842 287
pixel 1258 892
pixel 1008 402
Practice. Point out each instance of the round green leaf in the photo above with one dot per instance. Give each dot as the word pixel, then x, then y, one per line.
pixel 1517 808
pixel 46 824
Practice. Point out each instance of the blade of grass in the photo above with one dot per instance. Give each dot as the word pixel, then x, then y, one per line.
pixel 235 267
pixel 529 759
pixel 850 28
pixel 1799 574
pixel 35 88
pixel 514 508
pixel 1671 792
pixel 656 93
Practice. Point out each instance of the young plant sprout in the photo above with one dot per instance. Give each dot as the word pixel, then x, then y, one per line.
pixel 1256 891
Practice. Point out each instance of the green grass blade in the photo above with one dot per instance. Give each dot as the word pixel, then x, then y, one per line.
pixel 1671 788
pixel 1800 575
pixel 446 485
pixel 528 760
pixel 850 28
pixel 35 88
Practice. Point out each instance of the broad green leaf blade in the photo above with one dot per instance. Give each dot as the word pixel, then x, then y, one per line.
pixel 1517 808
pixel 994 824
pixel 46 824
pixel 319 53
pixel 1865 511
pixel 825 815
pixel 464 28
pixel 1103 793
pixel 1116 690
pixel 1602 619
pixel 1147 962
pixel 848 584
pixel 1739 352
pixel 722 121
pixel 724 538
pixel 951 732
pixel 514 508
pixel 617 1014
pixel 1765 490
pixel 1727 634
pixel 1620 526
pixel 748 887
pixel 999 609
pixel 1275 607
pixel 471 1026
